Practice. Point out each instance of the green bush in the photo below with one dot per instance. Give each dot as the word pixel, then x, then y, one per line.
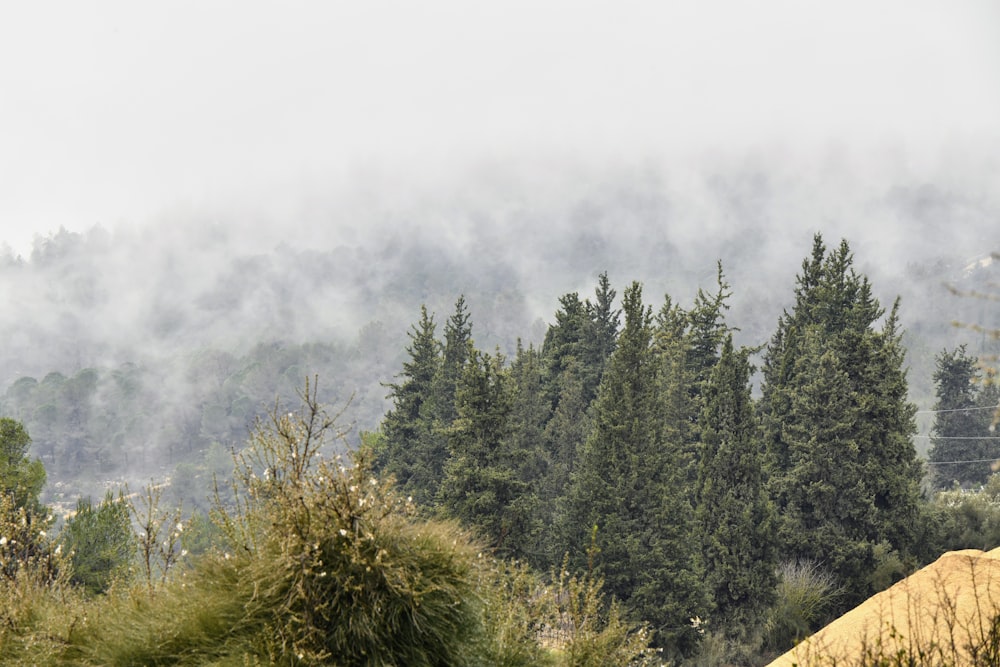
pixel 99 542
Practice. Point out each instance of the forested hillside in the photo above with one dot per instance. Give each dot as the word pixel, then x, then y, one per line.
pixel 131 353
pixel 728 498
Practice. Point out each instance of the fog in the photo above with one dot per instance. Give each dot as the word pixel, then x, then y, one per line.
pixel 121 114
pixel 184 183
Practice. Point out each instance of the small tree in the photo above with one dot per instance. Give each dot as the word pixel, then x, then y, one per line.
pixel 99 542
pixel 24 543
pixel 21 478
pixel 407 446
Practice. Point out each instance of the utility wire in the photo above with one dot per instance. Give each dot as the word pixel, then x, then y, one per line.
pixel 934 412
pixel 944 463
pixel 959 437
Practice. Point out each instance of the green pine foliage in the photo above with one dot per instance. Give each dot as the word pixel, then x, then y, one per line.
pixel 564 345
pixel 600 334
pixel 838 426
pixel 707 331
pixel 408 447
pixel 25 545
pixel 629 485
pixel 481 486
pixel 529 453
pixel 582 339
pixel 962 442
pixel 736 518
pixel 963 519
pixel 99 542
pixel 455 355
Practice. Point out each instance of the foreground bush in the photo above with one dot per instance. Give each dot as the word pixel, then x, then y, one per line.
pixel 324 564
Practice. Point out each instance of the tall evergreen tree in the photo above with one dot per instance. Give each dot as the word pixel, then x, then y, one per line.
pixel 565 434
pixel 692 338
pixel 409 449
pixel 482 485
pixel 962 422
pixel 837 424
pixel 601 334
pixel 735 515
pixel 457 336
pixel 707 330
pixel 527 453
pixel 584 335
pixel 413 442
pixel 628 485
pixel 563 343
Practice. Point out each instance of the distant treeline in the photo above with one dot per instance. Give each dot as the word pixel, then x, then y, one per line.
pixel 141 422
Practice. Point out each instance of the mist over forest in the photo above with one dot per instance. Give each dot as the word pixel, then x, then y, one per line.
pixel 172 337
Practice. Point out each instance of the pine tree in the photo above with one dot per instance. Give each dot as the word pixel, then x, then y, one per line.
pixel 735 515
pixel 413 441
pixel 563 343
pixel 707 330
pixel 408 447
pixel 457 336
pixel 21 478
pixel 584 335
pixel 601 334
pixel 100 542
pixel 837 424
pixel 23 519
pixel 629 486
pixel 565 434
pixel 481 485
pixel 692 339
pixel 528 453
pixel 961 430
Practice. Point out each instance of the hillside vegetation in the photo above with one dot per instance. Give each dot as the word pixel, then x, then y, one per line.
pixel 629 490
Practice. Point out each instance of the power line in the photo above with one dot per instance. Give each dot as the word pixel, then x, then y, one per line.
pixel 959 437
pixel 934 412
pixel 943 463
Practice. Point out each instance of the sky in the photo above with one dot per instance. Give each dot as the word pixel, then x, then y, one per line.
pixel 129 114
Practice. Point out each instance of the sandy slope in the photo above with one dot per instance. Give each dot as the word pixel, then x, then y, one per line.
pixel 942 608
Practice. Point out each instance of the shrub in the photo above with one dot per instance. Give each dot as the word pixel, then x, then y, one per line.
pixel 99 542
pixel 323 564
pixel 805 592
